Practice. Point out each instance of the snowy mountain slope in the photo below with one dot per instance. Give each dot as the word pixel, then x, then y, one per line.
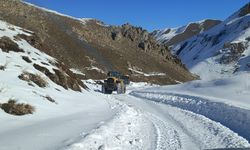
pixel 172 36
pixel 220 51
pixel 60 111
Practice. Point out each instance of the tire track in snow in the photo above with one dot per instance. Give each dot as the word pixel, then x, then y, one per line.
pixel 182 137
pixel 141 125
pixel 167 138
pixel 237 119
pixel 169 135
pixel 129 130
pixel 194 130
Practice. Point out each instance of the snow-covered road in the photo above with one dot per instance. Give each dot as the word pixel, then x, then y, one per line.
pixel 146 118
pixel 181 129
pixel 141 123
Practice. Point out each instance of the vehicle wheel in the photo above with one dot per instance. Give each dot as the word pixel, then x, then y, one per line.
pixel 124 89
pixel 103 89
pixel 119 88
pixel 109 91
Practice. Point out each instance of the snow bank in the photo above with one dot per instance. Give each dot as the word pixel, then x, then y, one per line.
pixel 222 100
pixel 233 91
pixel 237 119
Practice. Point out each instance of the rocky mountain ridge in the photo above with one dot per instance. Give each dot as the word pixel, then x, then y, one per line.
pixel 221 51
pixel 93 48
pixel 173 36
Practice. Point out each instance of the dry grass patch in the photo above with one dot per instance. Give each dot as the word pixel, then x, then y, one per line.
pixel 35 78
pixel 7 45
pixel 14 108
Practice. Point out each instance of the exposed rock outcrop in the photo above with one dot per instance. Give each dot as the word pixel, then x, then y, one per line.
pixel 232 52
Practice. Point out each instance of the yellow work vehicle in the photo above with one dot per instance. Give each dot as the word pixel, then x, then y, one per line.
pixel 114 83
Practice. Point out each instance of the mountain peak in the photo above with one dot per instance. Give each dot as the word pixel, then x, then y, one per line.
pixel 221 51
pixel 245 10
pixel 171 36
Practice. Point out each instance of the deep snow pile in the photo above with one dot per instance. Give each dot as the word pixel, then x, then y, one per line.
pixel 220 51
pixel 222 100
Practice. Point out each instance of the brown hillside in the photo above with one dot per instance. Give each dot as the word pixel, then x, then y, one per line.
pixel 87 44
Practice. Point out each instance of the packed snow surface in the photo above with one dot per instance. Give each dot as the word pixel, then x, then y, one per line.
pixel 144 121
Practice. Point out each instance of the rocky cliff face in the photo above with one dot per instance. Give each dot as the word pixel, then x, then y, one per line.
pixel 94 48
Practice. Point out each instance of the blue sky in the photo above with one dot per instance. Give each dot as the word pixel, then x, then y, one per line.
pixel 150 14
